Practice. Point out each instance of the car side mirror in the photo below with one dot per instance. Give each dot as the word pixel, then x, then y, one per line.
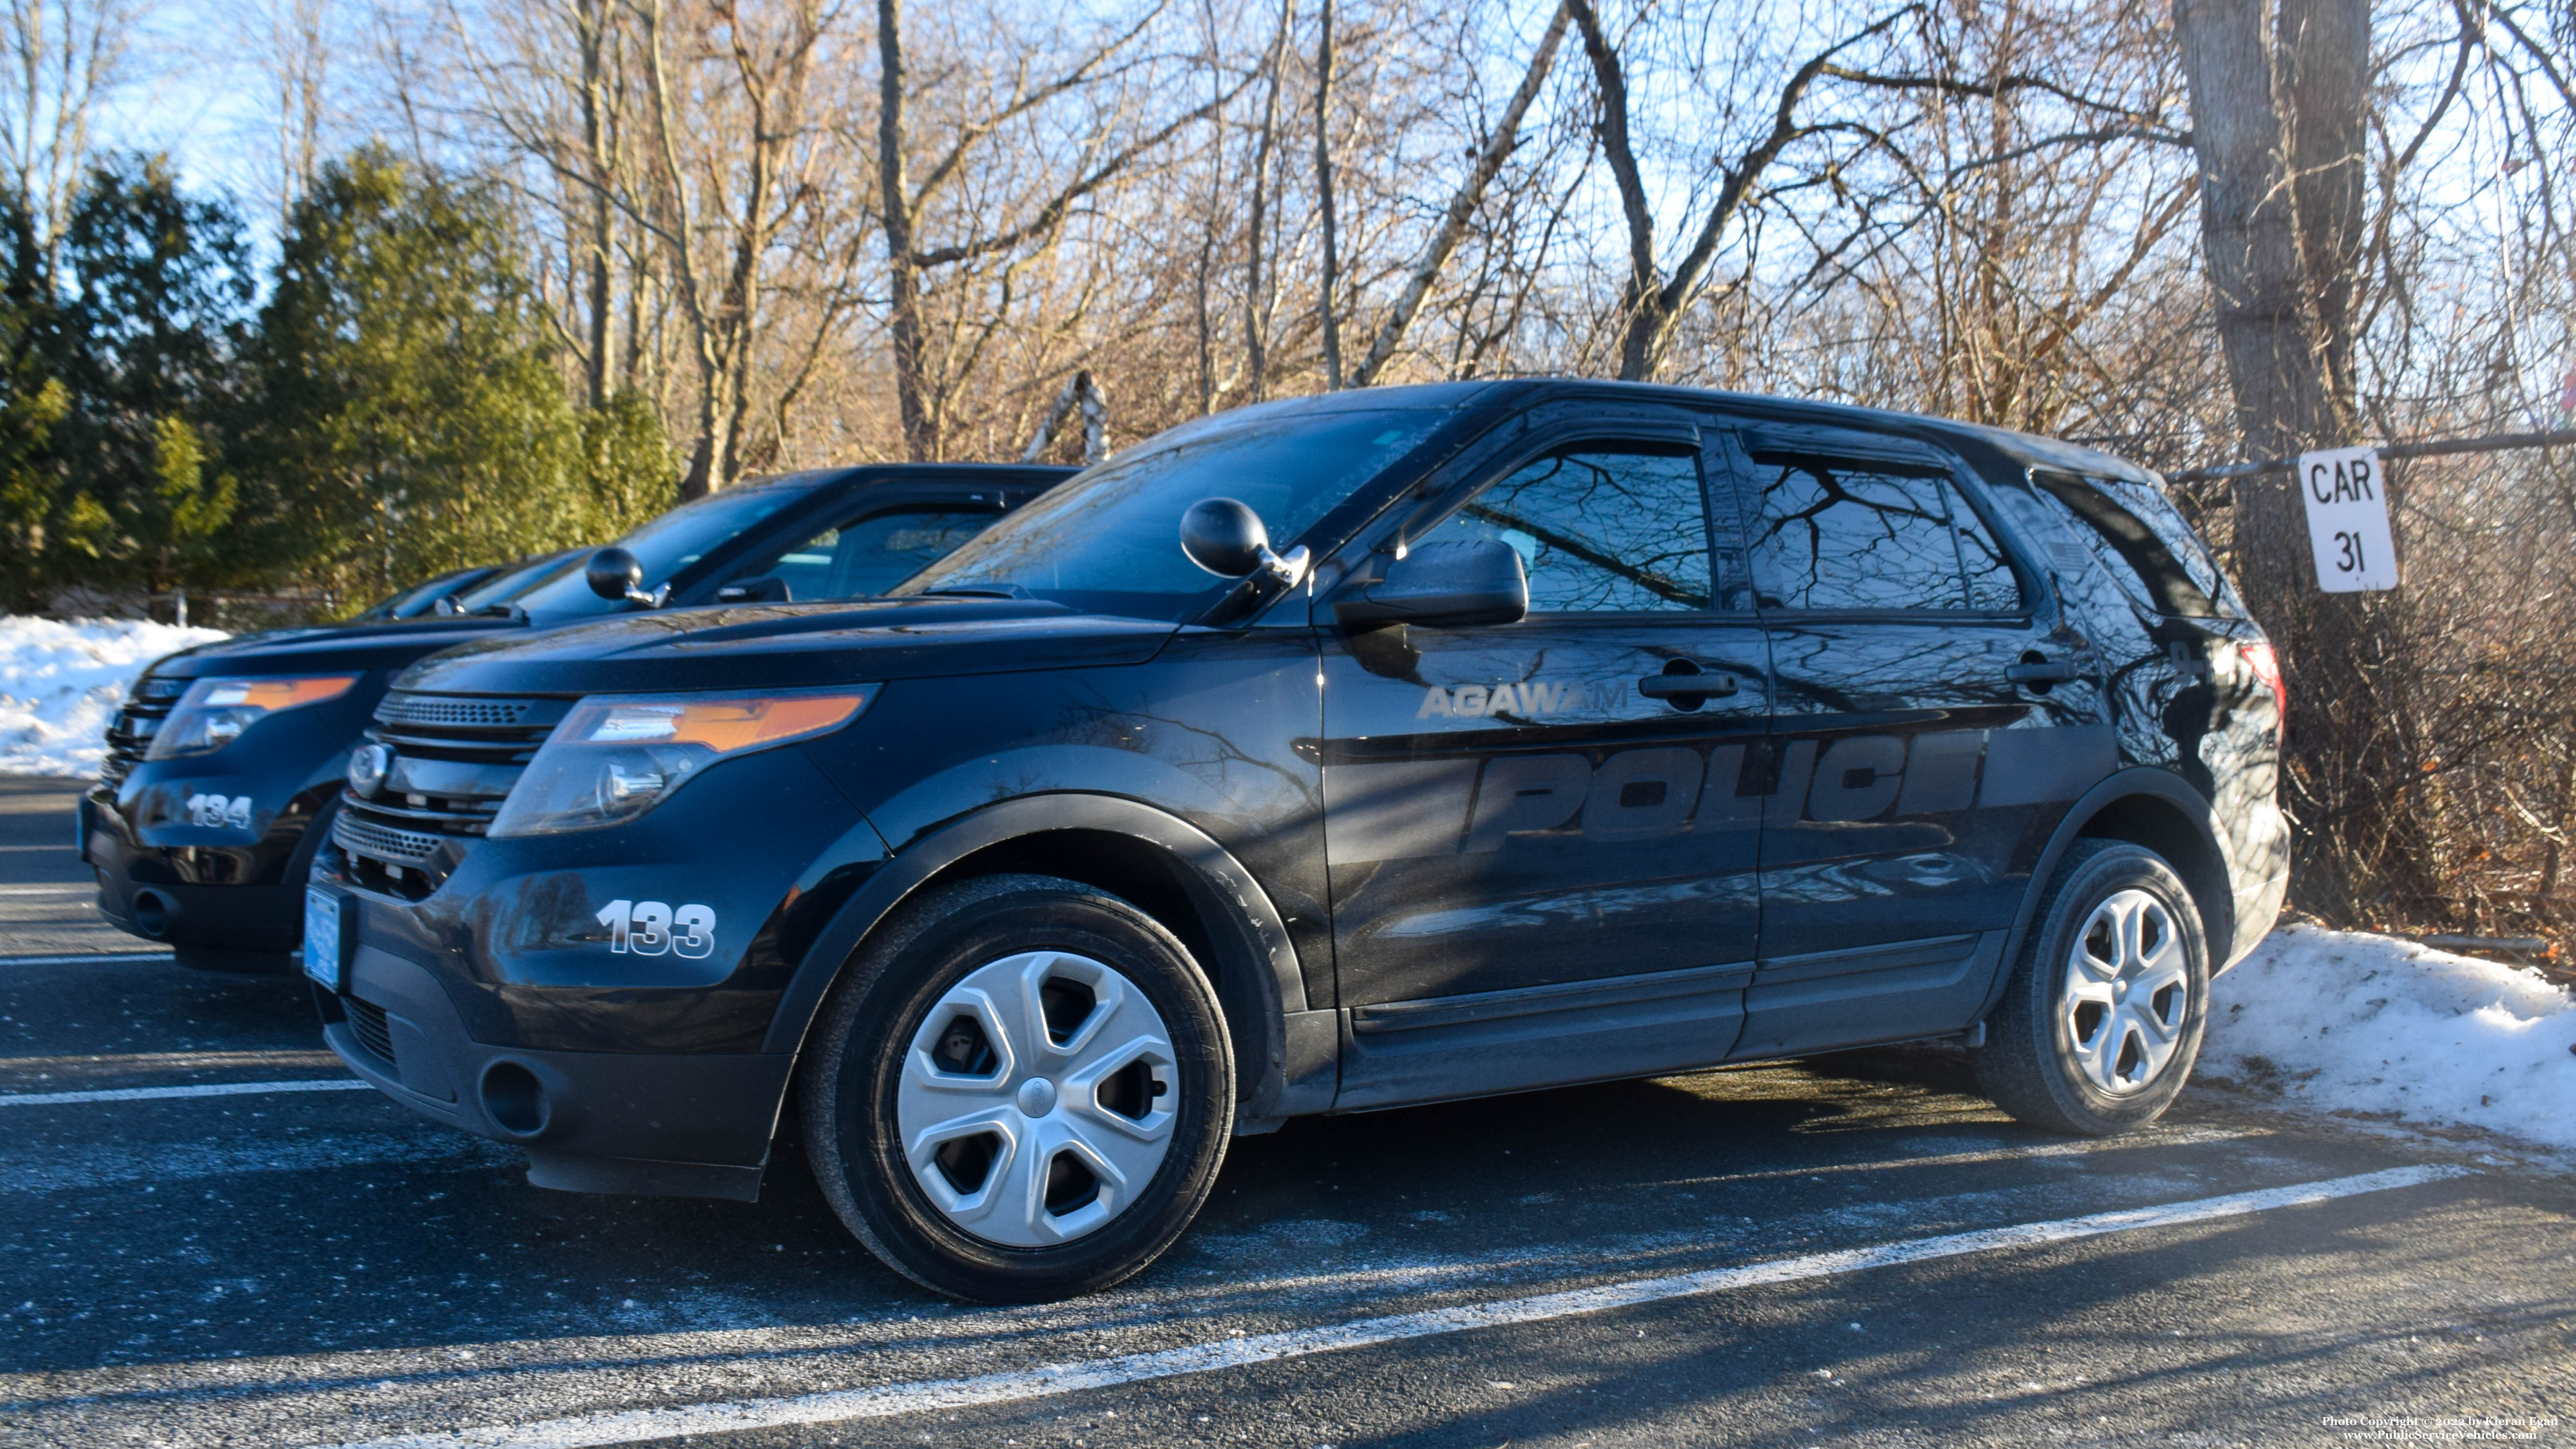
pixel 613 573
pixel 448 606
pixel 1226 538
pixel 1448 584
pixel 765 589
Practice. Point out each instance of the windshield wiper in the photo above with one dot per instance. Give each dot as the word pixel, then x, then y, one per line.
pixel 977 591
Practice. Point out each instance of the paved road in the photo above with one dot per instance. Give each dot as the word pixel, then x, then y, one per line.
pixel 46 893
pixel 1855 1250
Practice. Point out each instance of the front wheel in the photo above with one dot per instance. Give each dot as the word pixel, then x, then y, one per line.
pixel 1020 1090
pixel 2102 1019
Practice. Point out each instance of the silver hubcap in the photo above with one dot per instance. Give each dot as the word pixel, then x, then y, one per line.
pixel 2127 994
pixel 1037 1098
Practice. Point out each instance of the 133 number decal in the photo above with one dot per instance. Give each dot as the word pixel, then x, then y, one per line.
pixel 650 928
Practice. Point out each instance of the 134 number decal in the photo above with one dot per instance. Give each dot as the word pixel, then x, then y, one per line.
pixel 219 812
pixel 649 928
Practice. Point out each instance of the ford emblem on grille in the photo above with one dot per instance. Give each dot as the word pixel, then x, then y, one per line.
pixel 368 766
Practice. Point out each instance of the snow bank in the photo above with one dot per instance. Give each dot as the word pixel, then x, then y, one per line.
pixel 2341 1022
pixel 60 684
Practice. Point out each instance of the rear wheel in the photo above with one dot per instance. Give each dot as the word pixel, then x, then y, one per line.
pixel 2102 1019
pixel 1020 1090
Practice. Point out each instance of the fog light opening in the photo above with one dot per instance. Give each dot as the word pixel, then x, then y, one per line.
pixel 514 1099
pixel 152 912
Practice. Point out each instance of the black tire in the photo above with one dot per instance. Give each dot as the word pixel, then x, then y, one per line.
pixel 2035 1064
pixel 861 1049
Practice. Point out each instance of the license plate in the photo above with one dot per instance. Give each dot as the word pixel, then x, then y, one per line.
pixel 322 937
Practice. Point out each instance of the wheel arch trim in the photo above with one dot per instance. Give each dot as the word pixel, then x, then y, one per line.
pixel 1223 892
pixel 2164 788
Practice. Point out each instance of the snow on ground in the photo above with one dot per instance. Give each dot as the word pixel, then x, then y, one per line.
pixel 2339 1022
pixel 60 684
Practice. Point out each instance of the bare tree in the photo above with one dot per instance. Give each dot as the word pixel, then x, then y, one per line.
pixel 1461 210
pixel 64 59
pixel 1654 302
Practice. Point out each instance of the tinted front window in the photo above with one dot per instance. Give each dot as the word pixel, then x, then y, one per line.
pixel 1108 540
pixel 1840 533
pixel 1600 527
pixel 664 546
pixel 869 556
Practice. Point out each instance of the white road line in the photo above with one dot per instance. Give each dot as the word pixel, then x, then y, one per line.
pixel 85 959
pixel 155 1094
pixel 629 1426
pixel 63 888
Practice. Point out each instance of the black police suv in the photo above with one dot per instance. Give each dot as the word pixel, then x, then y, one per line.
pixel 226 757
pixel 1580 731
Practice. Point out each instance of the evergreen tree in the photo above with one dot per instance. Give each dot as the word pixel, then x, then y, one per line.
pixel 152 333
pixel 50 531
pixel 410 412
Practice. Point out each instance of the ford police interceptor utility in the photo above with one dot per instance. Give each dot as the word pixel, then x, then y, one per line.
pixel 1570 731
pixel 226 764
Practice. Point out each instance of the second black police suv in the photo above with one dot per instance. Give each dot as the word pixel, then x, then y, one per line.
pixel 1569 732
pixel 226 764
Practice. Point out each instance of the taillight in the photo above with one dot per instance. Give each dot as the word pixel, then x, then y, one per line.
pixel 2267 668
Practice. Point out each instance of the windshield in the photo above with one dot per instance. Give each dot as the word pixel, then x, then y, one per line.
pixel 1109 540
pixel 509 580
pixel 419 597
pixel 664 546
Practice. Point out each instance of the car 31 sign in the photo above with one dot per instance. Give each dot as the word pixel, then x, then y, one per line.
pixel 2348 520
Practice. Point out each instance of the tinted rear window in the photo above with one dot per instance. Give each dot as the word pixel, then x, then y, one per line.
pixel 2141 540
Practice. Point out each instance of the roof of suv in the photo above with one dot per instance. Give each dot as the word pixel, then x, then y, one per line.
pixel 2028 449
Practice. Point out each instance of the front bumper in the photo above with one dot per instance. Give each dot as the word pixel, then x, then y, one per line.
pixel 689 1126
pixel 220 896
pixel 488 989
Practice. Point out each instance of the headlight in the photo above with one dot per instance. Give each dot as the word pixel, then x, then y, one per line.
pixel 615 757
pixel 214 712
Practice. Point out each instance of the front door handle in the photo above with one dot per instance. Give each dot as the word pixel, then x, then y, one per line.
pixel 2041 671
pixel 1686 686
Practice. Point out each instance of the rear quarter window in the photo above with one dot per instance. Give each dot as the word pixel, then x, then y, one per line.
pixel 2140 539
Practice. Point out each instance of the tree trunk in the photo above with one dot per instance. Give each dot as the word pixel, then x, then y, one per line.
pixel 592 17
pixel 2279 104
pixel 1256 341
pixel 1324 198
pixel 1641 300
pixel 903 276
pixel 2270 328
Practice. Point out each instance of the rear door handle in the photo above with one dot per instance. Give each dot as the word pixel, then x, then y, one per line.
pixel 1686 686
pixel 2045 671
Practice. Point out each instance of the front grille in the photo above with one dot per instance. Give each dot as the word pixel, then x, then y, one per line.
pixel 455 760
pixel 378 842
pixel 367 1024
pixel 429 709
pixel 130 734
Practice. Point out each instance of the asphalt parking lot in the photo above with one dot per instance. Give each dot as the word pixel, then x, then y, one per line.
pixel 1851 1250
